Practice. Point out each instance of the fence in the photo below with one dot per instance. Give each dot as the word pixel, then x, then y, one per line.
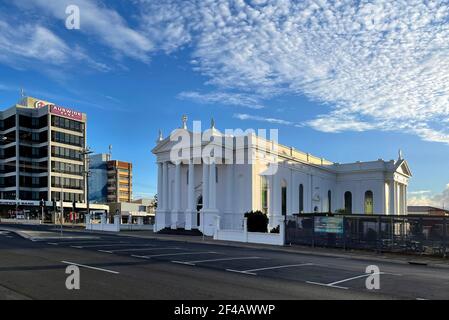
pixel 383 233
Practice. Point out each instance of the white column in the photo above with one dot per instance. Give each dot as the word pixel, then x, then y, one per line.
pixel 160 206
pixel 165 190
pixel 205 186
pixel 270 181
pixel 212 186
pixel 177 197
pixel 190 221
pixel 405 200
pixel 229 206
pixel 391 197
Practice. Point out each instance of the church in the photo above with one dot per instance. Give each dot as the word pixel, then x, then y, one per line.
pixel 207 174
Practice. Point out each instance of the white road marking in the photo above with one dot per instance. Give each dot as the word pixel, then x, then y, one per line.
pixel 144 249
pixel 52 243
pixel 173 254
pixel 252 271
pixel 192 263
pixel 101 245
pixel 326 285
pixel 89 267
pixel 334 284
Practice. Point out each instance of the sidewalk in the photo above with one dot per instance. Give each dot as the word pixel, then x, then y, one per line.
pixel 34 235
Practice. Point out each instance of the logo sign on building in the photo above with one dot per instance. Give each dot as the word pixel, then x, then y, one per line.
pixel 329 225
pixel 67 113
pixel 40 104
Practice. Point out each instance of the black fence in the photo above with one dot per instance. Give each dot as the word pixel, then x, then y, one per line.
pixel 406 234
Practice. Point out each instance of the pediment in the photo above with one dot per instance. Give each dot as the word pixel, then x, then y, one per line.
pixel 403 168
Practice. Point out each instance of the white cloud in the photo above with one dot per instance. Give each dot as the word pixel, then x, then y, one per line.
pixel 381 65
pixel 243 116
pixel 101 22
pixel 20 44
pixel 234 99
pixel 426 199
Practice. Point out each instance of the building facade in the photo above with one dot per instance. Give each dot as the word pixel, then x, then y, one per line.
pixel 198 187
pixel 41 153
pixel 110 180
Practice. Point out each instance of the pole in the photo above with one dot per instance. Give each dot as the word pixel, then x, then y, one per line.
pixel 62 205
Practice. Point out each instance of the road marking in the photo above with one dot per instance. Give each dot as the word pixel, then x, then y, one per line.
pixel 326 285
pixel 252 271
pixel 90 267
pixel 173 254
pixel 421 299
pixel 334 284
pixel 101 245
pixel 144 249
pixel 192 263
pixel 52 243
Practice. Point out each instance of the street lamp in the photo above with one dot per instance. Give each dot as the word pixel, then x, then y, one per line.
pixel 61 217
pixel 85 153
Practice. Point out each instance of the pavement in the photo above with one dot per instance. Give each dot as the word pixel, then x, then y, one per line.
pixel 142 265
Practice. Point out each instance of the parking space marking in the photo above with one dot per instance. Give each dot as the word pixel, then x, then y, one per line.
pixel 140 249
pixel 252 271
pixel 335 283
pixel 90 267
pixel 192 263
pixel 173 254
pixel 102 245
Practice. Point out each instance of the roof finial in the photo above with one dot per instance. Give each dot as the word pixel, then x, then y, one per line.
pixel 160 138
pixel 212 123
pixel 401 155
pixel 184 122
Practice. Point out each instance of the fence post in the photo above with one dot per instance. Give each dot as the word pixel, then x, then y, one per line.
pixel 379 238
pixel 245 228
pixel 444 236
pixel 313 231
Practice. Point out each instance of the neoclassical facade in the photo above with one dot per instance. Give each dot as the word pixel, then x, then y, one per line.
pixel 223 175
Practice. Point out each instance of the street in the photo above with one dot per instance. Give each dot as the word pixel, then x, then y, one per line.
pixel 121 267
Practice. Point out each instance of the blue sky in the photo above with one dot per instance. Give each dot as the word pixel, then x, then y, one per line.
pixel 346 80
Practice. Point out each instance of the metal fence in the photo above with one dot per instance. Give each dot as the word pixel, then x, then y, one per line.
pixel 383 233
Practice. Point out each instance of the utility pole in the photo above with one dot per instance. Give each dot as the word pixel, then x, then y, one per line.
pixel 85 153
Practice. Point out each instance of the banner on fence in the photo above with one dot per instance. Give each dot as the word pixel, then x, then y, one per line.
pixel 329 225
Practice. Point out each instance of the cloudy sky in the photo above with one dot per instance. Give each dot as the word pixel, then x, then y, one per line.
pixel 346 80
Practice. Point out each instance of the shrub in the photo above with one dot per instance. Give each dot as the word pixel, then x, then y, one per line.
pixel 276 230
pixel 257 221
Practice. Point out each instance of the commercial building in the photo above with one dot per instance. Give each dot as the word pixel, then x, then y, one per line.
pixel 199 186
pixel 428 211
pixel 134 210
pixel 110 180
pixel 41 156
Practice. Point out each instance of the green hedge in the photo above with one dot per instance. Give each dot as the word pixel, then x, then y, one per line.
pixel 257 221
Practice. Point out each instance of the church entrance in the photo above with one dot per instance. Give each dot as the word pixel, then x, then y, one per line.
pixel 199 207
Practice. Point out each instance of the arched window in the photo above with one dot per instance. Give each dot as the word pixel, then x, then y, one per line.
pixel 348 202
pixel 284 197
pixel 301 198
pixel 329 201
pixel 264 193
pixel 369 202
pixel 199 207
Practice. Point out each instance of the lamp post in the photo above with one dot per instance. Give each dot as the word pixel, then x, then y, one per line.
pixel 69 167
pixel 85 153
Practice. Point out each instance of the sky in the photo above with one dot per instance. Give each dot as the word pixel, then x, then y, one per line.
pixel 345 80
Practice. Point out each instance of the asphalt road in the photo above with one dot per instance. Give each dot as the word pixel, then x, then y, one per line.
pixel 120 267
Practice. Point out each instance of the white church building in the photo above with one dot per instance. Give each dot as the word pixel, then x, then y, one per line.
pixel 213 174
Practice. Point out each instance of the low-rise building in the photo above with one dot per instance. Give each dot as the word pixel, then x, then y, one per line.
pixel 427 211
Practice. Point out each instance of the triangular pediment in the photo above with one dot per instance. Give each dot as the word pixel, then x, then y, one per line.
pixel 403 168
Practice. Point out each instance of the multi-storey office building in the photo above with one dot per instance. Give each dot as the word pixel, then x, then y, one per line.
pixel 110 180
pixel 41 155
pixel 119 181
